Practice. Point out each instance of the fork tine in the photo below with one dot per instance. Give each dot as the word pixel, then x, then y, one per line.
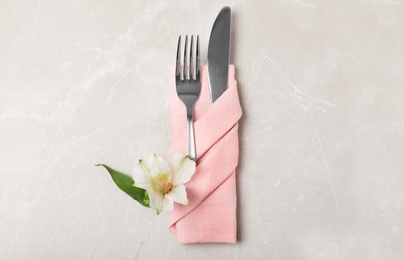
pixel 191 59
pixel 178 66
pixel 186 68
pixel 198 58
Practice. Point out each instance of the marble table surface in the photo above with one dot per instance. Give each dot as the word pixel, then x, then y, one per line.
pixel 321 172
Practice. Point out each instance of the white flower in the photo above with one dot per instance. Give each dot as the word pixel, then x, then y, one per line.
pixel 164 180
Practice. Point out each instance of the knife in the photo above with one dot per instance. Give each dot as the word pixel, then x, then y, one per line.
pixel 218 54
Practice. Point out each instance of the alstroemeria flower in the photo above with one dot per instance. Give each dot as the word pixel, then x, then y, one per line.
pixel 164 180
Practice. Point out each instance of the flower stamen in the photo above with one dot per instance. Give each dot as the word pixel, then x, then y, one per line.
pixel 168 188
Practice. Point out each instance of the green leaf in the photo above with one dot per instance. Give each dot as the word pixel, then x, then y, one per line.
pixel 125 183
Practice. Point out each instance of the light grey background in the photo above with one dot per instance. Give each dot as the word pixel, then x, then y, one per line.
pixel 321 171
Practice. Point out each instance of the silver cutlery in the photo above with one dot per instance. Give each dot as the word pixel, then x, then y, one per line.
pixel 218 54
pixel 188 84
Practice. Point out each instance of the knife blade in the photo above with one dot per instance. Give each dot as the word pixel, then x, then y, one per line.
pixel 218 54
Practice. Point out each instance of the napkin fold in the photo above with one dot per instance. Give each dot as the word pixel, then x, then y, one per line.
pixel 210 216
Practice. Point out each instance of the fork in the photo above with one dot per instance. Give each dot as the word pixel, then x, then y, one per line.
pixel 188 84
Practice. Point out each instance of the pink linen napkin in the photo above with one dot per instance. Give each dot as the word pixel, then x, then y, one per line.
pixel 210 216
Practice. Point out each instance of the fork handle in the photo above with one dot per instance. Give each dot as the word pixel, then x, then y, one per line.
pixel 191 139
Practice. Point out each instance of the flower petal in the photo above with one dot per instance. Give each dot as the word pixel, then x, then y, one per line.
pixel 147 163
pixel 183 168
pixel 156 202
pixel 160 203
pixel 178 194
pixel 159 167
pixel 141 176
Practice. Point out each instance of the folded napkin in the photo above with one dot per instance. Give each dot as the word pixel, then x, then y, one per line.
pixel 210 216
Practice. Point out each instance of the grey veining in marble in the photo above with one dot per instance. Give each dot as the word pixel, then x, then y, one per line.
pixel 321 172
